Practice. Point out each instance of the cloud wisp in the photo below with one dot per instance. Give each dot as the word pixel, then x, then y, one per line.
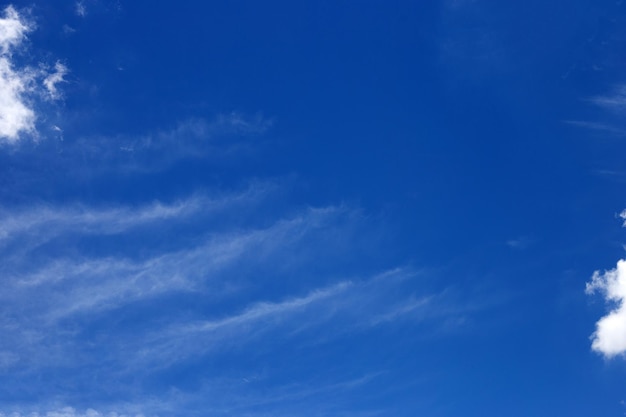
pixel 599 127
pixel 40 224
pixel 223 137
pixel 53 79
pixel 80 9
pixel 126 292
pixel 614 102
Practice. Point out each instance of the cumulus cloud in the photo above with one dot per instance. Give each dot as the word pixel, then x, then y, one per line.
pixel 13 29
pixel 609 338
pixel 15 115
pixel 20 84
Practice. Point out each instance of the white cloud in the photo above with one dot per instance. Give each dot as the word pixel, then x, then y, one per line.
pixel 68 30
pixel 263 310
pixel 601 127
pixel 36 225
pixel 69 412
pixel 46 222
pixel 615 101
pixel 67 271
pixel 80 9
pixel 609 338
pixel 522 242
pixel 51 81
pixel 15 115
pixel 18 85
pixel 74 284
pixel 344 306
pixel 13 30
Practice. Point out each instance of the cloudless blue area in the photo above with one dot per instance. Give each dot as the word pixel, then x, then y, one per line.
pixel 455 141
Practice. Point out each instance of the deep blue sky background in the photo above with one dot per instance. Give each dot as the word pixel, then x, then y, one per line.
pixel 375 208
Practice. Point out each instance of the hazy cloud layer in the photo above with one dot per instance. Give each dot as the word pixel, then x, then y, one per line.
pixel 69 270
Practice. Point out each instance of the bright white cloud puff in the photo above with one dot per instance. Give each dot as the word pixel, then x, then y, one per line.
pixel 16 116
pixel 19 85
pixel 609 338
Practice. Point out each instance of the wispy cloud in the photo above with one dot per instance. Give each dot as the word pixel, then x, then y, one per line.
pixel 80 9
pixel 601 127
pixel 88 286
pixel 520 243
pixel 45 222
pixel 205 260
pixel 615 101
pixel 223 136
pixel 195 289
pixel 77 281
pixel 69 412
pixel 54 78
pixel 174 344
pixel 263 310
pixel 347 306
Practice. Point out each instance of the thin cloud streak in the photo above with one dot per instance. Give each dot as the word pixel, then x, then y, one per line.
pixel 44 223
pixel 602 127
pixel 263 310
pixel 614 102
pixel 41 295
pixel 73 286
pixel 349 305
pixel 62 312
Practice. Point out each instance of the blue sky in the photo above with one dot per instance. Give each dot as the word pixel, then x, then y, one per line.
pixel 329 208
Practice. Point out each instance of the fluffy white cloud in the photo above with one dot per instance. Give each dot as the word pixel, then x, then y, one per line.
pixel 609 338
pixel 13 29
pixel 15 115
pixel 20 85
